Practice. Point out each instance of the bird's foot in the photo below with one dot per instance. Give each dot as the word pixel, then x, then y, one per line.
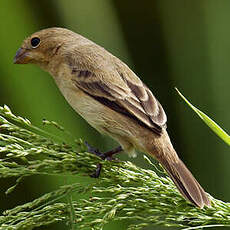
pixel 104 156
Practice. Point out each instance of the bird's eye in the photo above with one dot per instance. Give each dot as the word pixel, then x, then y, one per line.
pixel 35 42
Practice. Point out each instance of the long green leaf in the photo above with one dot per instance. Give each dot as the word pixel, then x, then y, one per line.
pixel 208 121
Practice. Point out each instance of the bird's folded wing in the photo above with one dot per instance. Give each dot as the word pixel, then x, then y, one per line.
pixel 131 98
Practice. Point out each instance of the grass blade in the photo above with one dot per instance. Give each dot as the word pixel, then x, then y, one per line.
pixel 208 121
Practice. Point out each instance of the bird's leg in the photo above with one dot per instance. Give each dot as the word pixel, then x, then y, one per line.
pixel 109 154
pixel 104 156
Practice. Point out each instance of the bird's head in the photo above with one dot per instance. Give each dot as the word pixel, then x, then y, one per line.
pixel 40 47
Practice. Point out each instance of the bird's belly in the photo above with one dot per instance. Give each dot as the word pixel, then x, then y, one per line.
pixel 91 110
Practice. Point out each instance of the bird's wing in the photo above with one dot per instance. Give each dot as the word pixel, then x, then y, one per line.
pixel 120 93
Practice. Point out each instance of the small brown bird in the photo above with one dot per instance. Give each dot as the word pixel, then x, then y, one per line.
pixel 111 98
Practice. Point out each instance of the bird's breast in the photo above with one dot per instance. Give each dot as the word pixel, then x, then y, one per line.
pixel 91 110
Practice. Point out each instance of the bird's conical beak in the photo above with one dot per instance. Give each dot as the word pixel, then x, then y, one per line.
pixel 22 56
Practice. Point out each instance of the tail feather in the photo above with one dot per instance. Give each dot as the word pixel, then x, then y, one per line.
pixel 186 183
pixel 204 195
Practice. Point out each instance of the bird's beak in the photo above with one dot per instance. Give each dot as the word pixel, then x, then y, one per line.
pixel 22 56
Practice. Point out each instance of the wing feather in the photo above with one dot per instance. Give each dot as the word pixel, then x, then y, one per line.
pixel 133 99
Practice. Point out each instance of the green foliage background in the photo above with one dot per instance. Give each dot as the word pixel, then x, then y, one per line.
pixel 167 43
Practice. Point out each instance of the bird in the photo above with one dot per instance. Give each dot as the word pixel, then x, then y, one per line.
pixel 111 98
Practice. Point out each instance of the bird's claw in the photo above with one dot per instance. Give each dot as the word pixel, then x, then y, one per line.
pixel 104 156
pixel 97 172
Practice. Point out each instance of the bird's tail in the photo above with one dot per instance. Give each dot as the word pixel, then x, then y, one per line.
pixel 185 182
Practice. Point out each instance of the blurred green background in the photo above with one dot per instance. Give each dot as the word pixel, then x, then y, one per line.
pixel 167 43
